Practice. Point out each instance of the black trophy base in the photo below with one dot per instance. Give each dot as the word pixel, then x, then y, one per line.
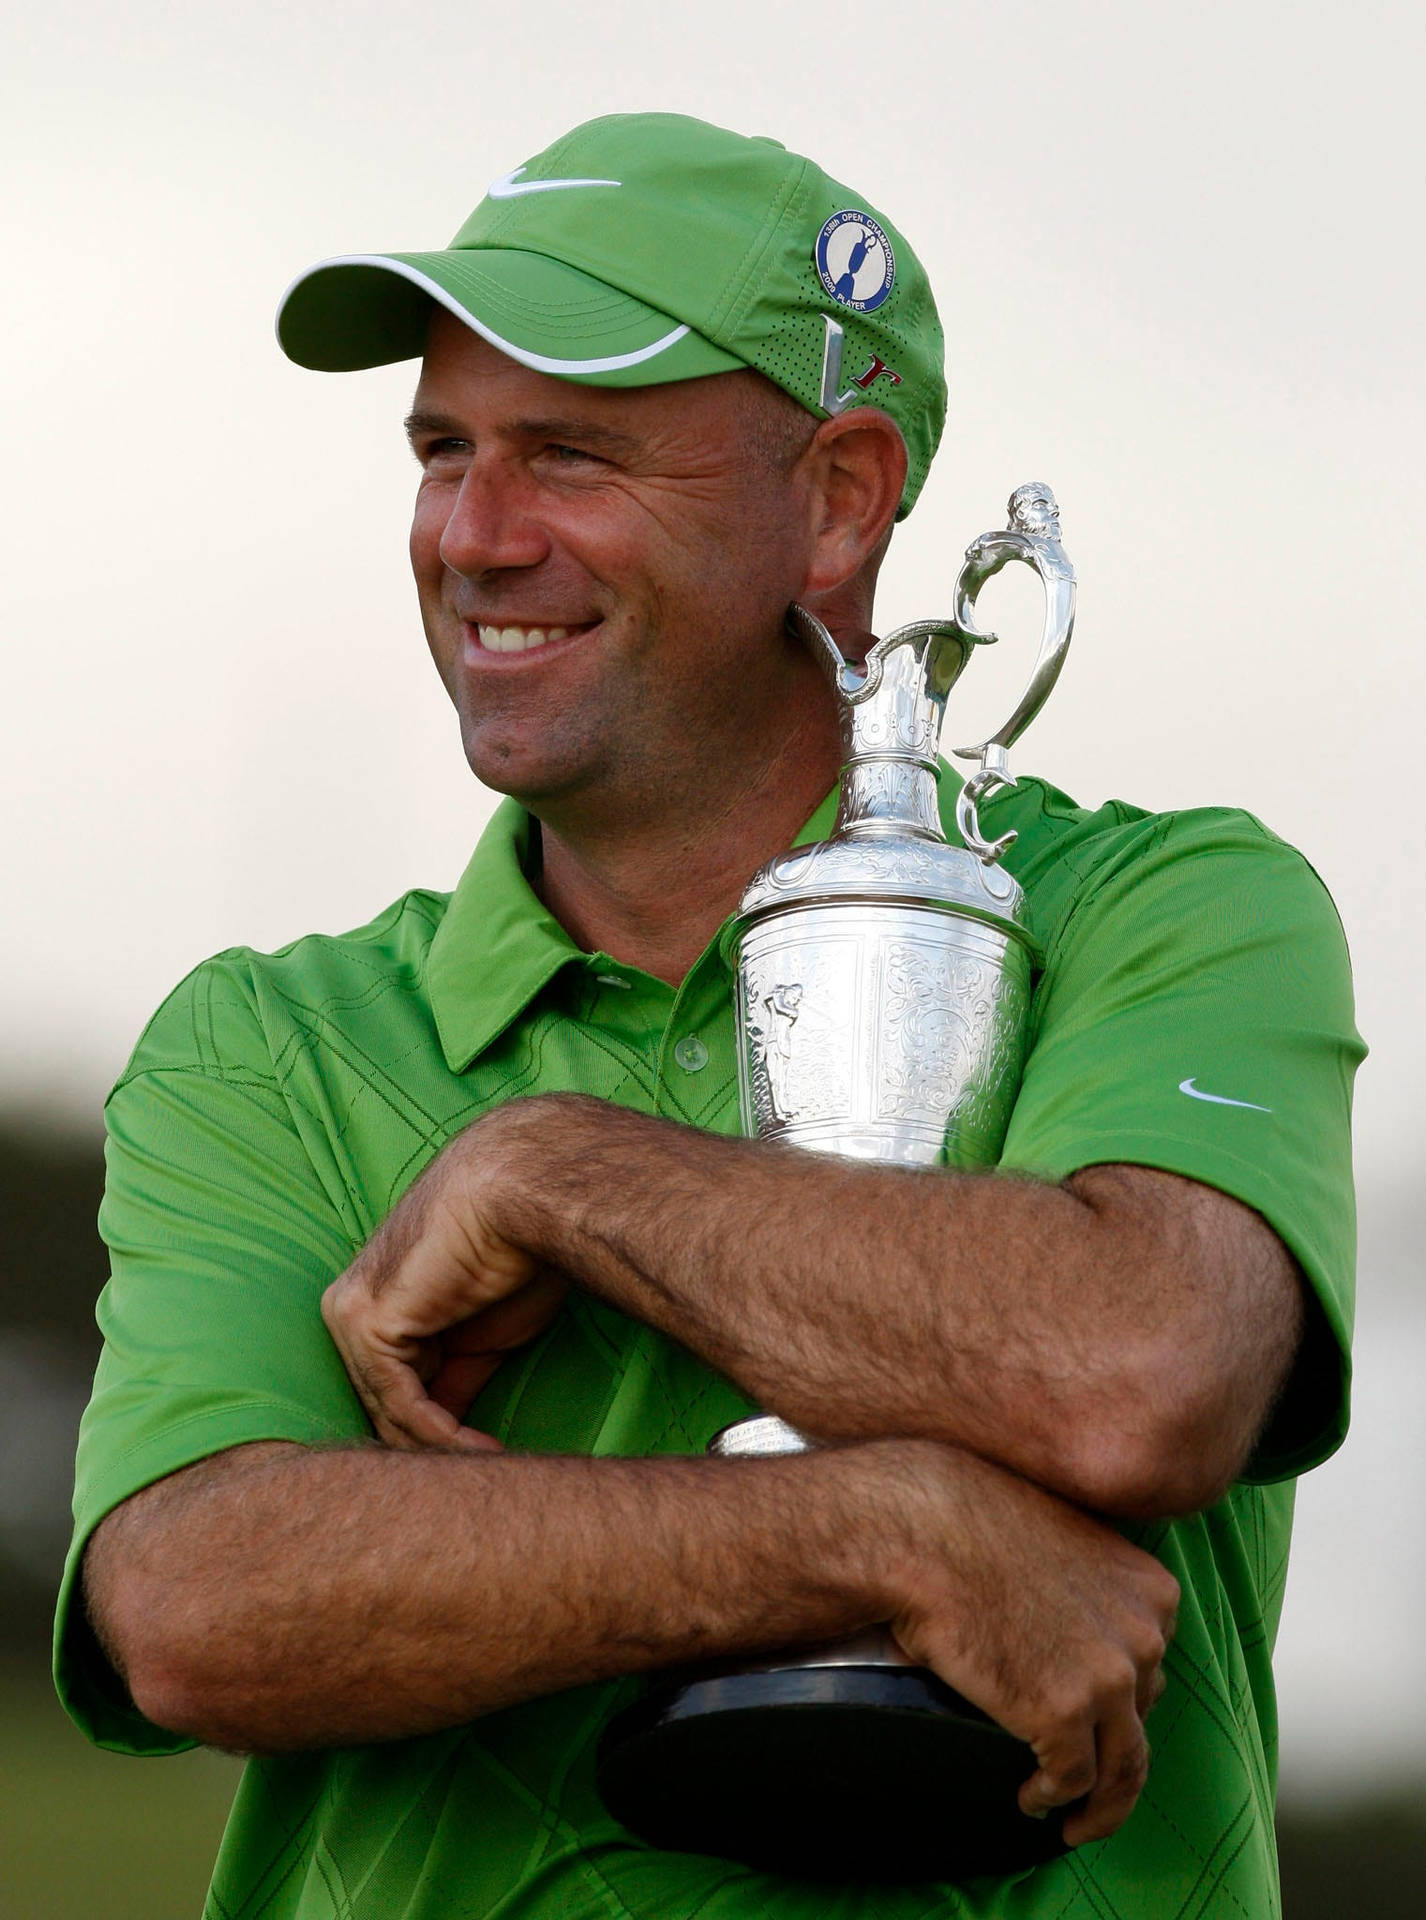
pixel 825 1773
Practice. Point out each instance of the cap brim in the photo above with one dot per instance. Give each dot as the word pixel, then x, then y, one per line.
pixel 368 309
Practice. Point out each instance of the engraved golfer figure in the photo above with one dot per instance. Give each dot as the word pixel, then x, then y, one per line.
pixel 782 1006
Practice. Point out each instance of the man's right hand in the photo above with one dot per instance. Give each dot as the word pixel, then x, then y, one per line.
pixel 1048 1620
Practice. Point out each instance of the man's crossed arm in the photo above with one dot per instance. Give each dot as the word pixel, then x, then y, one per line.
pixel 278 1597
pixel 1119 1341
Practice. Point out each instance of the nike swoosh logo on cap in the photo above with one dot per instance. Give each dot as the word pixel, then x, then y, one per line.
pixel 510 186
pixel 1218 1099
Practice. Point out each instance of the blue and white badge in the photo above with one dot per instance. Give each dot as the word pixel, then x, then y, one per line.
pixel 855 261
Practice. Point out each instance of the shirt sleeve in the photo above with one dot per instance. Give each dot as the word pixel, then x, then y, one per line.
pixel 222 1236
pixel 1195 1014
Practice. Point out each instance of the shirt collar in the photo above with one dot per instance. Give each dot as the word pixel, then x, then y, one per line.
pixel 497 946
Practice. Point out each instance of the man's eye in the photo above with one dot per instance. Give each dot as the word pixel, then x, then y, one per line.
pixel 448 446
pixel 564 455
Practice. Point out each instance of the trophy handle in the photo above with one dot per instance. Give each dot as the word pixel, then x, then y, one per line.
pixel 1033 536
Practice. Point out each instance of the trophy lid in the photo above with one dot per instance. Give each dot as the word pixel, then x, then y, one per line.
pixel 905 871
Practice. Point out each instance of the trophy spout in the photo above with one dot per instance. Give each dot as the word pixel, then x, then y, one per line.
pixel 891 708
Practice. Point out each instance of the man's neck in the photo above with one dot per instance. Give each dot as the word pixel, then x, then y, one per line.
pixel 651 878
pixel 653 897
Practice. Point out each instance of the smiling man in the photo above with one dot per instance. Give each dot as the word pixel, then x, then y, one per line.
pixel 437 1260
pixel 597 567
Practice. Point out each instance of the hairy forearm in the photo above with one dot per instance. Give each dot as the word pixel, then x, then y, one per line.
pixel 278 1597
pixel 1118 1339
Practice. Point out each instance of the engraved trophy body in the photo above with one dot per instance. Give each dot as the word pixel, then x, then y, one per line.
pixel 884 982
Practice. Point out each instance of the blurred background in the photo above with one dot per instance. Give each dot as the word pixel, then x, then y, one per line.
pixel 1177 252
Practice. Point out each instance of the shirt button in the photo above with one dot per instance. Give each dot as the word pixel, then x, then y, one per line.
pixel 691 1054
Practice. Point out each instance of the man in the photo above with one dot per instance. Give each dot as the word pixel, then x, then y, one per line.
pixel 463 1179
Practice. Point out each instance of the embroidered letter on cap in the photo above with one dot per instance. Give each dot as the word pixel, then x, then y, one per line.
pixel 874 372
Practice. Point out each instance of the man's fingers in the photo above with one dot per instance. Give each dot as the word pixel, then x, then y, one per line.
pixel 417 1389
pixel 1067 1772
pixel 418 1402
pixel 513 1321
pixel 1108 1776
pixel 413 1288
pixel 458 1378
pixel 400 1409
pixel 1100 1758
pixel 1150 1690
pixel 463 1360
pixel 397 1403
pixel 1122 1768
pixel 409 1419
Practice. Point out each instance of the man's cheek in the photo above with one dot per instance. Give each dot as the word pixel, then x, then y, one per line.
pixel 444 638
pixel 428 526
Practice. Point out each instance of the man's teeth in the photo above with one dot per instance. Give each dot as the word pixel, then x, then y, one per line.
pixel 519 639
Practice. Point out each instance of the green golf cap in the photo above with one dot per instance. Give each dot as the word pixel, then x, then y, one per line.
pixel 643 248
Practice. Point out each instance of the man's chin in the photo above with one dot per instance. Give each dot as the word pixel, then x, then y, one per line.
pixel 527 776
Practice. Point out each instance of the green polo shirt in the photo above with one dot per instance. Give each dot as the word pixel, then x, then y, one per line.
pixel 1194 1014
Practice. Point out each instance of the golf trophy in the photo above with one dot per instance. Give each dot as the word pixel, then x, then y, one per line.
pixel 884 981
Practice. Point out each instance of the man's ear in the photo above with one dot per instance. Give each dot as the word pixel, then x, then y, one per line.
pixel 857 465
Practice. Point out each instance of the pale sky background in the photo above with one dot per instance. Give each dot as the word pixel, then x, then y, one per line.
pixel 1178 254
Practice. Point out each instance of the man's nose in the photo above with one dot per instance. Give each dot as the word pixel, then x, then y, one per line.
pixel 492 524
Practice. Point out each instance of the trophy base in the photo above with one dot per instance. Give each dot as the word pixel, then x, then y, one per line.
pixel 826 1773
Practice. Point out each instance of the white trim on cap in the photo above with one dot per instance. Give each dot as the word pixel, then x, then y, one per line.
pixel 538 362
